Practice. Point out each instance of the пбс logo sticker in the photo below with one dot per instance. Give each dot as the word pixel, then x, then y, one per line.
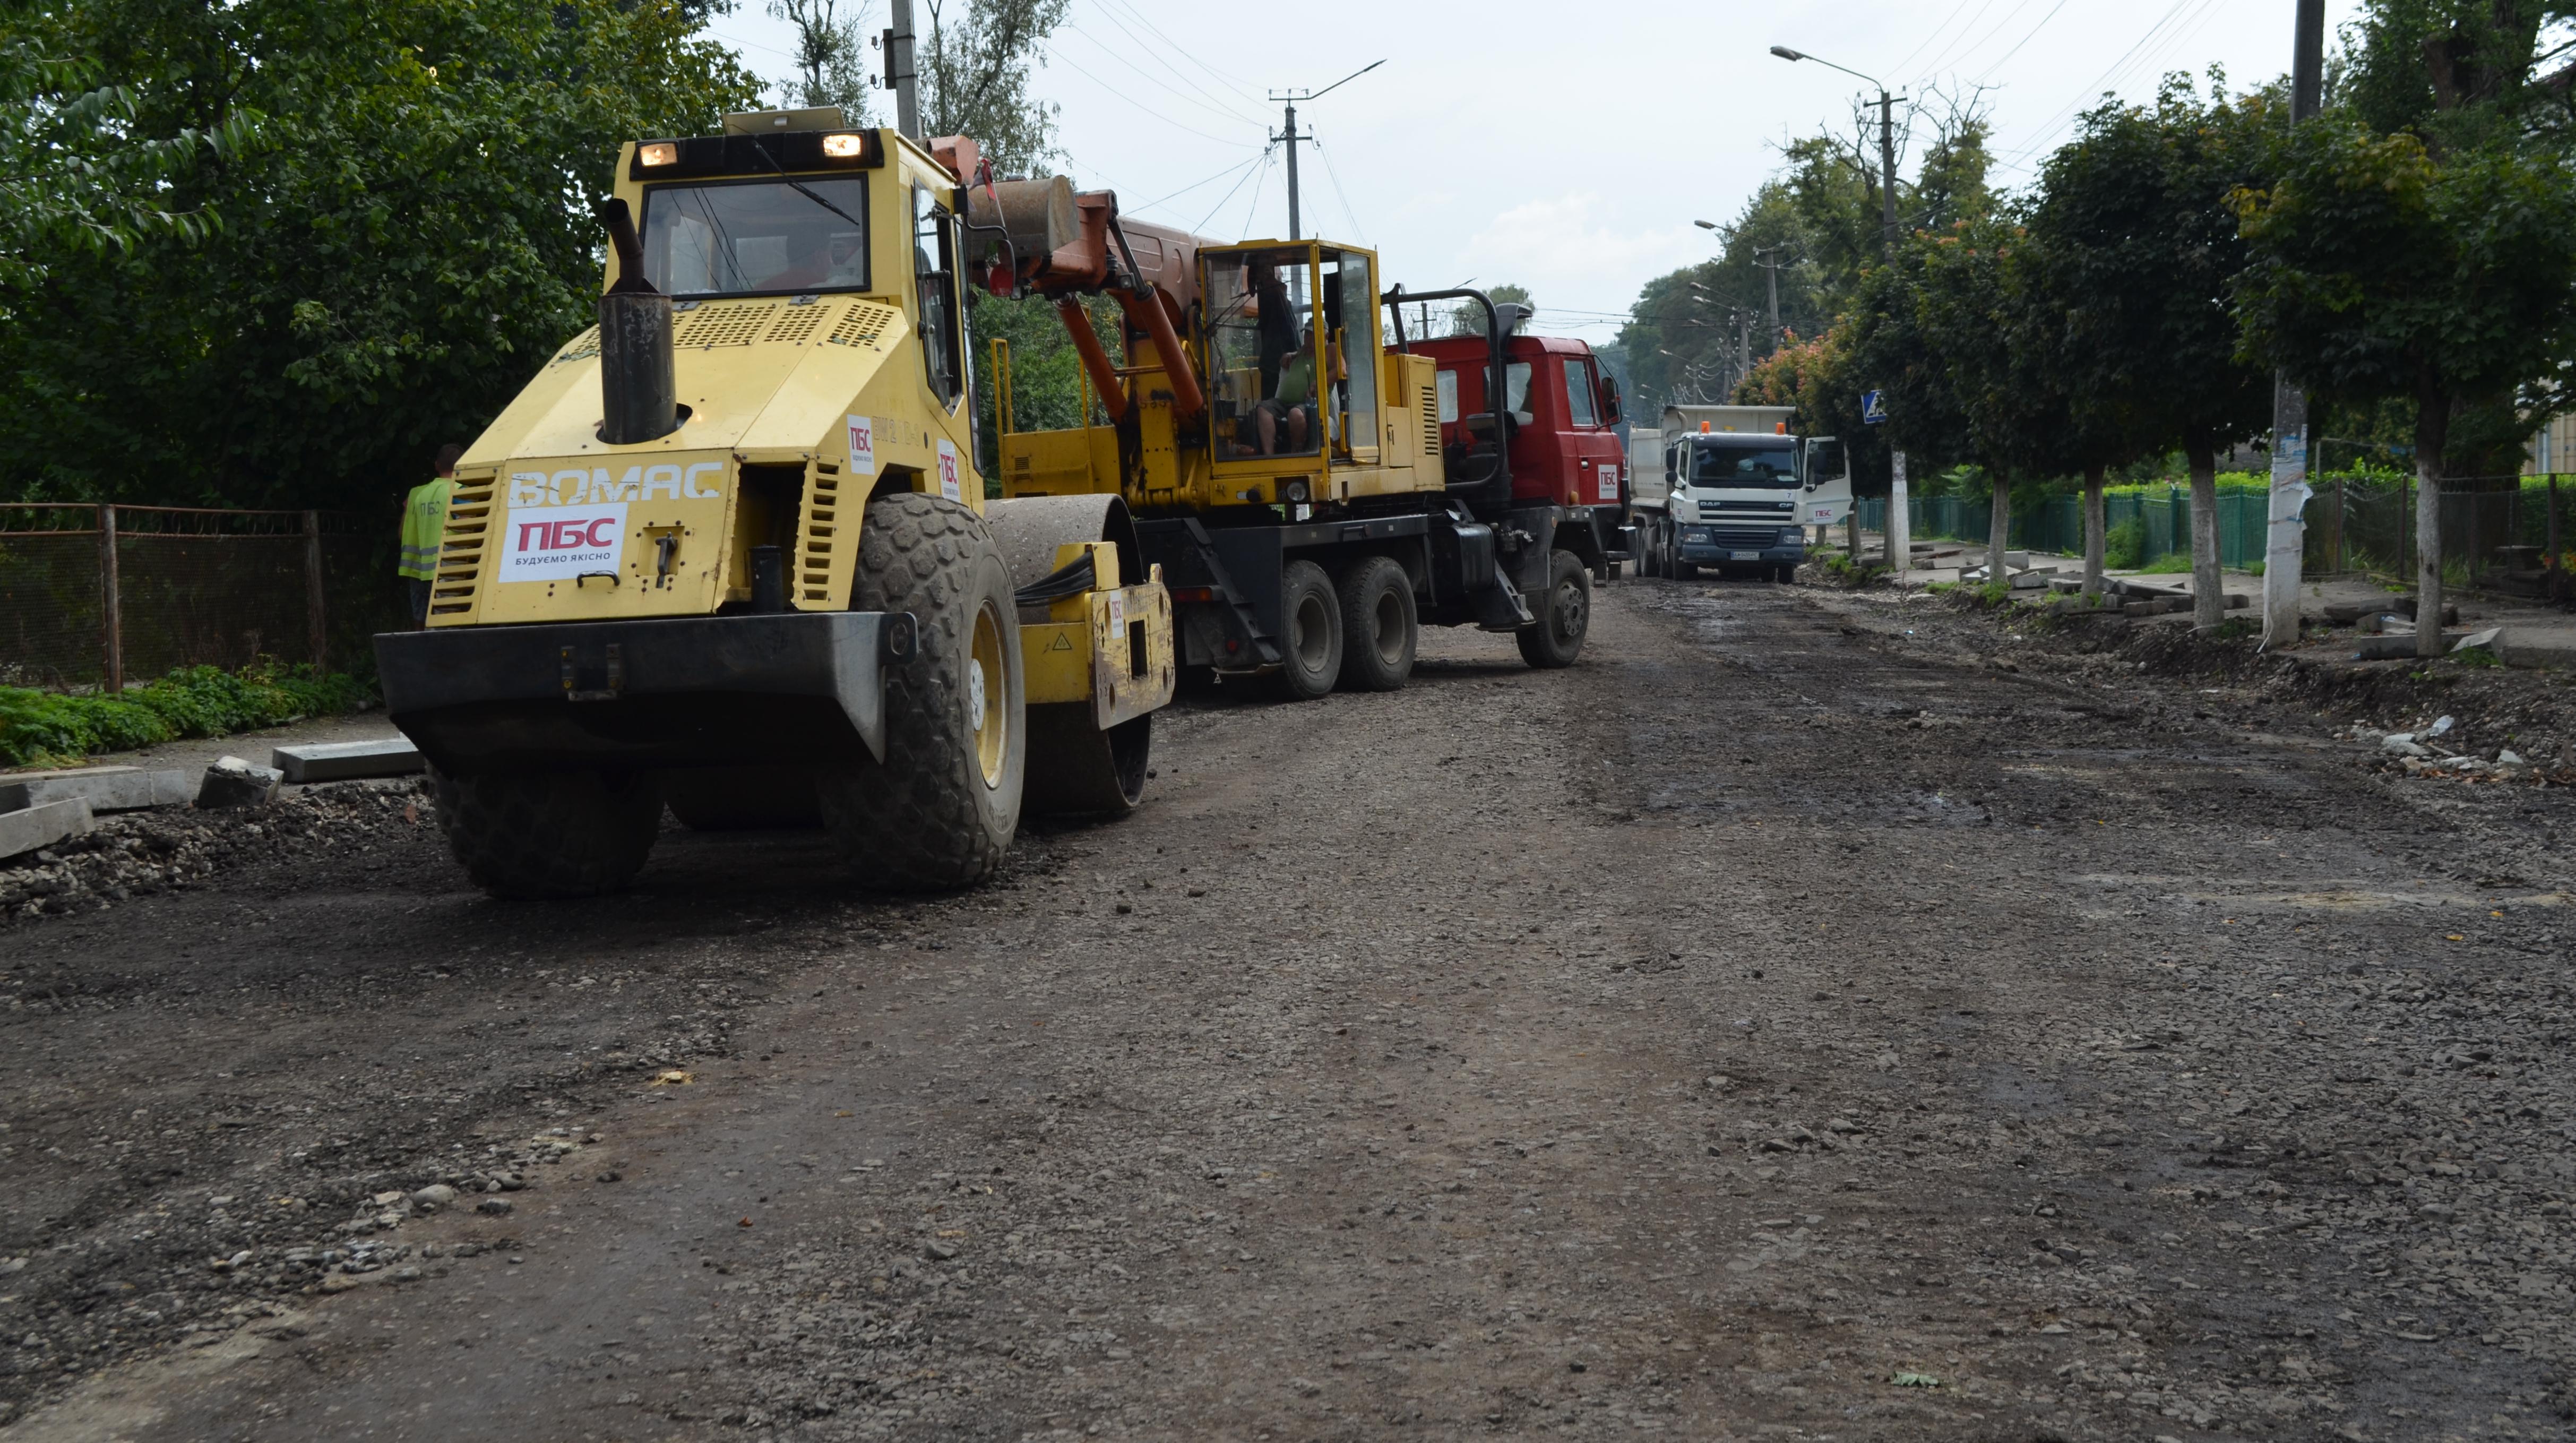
pixel 559 543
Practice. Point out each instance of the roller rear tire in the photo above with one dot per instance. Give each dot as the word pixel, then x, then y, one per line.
pixel 939 812
pixel 549 834
pixel 1380 629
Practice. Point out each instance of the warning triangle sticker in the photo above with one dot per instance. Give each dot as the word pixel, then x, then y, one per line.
pixel 1062 643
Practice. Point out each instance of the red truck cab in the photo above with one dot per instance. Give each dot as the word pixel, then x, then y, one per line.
pixel 1562 407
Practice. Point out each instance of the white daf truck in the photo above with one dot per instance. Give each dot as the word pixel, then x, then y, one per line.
pixel 1737 489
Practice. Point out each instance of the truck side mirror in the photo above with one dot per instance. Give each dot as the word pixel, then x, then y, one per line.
pixel 1609 400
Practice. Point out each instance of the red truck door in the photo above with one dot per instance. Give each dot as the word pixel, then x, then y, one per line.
pixel 1597 458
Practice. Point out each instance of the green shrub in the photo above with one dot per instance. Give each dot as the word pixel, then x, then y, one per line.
pixel 202 701
pixel 2477 656
pixel 2125 545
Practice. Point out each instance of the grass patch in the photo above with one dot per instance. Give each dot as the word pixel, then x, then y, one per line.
pixel 2478 656
pixel 203 701
pixel 2125 545
pixel 2172 563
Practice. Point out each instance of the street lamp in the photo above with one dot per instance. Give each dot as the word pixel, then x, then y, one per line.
pixel 1886 142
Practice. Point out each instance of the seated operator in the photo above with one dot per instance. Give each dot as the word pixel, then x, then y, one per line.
pixel 1292 408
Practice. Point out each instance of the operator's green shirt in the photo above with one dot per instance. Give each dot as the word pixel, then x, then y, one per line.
pixel 1297 381
pixel 424 522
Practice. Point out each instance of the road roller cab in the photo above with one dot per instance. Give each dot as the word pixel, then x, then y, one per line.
pixel 728 550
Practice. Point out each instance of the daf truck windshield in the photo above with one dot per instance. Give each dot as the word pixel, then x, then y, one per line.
pixel 1744 466
pixel 758 237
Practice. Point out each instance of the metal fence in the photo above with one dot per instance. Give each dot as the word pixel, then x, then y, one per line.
pixel 94 595
pixel 2495 529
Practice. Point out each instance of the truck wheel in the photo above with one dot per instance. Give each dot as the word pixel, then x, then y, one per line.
pixel 939 811
pixel 549 834
pixel 1564 615
pixel 1311 615
pixel 1380 629
pixel 1786 573
pixel 1685 570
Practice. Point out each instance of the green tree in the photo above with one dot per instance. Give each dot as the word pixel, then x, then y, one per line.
pixel 975 63
pixel 831 56
pixel 2381 271
pixel 1468 318
pixel 405 243
pixel 2136 210
pixel 74 178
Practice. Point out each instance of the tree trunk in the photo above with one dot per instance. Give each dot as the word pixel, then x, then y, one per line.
pixel 2208 588
pixel 1999 533
pixel 2095 540
pixel 2432 434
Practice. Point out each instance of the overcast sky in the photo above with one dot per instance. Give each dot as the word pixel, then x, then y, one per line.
pixel 1567 147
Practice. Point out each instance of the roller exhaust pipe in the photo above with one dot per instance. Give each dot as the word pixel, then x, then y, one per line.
pixel 639 389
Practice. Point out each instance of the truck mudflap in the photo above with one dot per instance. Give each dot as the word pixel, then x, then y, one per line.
pixel 632 695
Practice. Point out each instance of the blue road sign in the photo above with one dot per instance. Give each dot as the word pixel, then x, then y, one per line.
pixel 1873 406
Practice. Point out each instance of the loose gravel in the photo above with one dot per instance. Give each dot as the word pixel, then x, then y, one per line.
pixel 1814 1015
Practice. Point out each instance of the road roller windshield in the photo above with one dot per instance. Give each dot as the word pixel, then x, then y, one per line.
pixel 757 237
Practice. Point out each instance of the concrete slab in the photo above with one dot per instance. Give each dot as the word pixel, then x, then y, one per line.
pixel 34 828
pixel 106 789
pixel 343 761
pixel 233 782
pixel 2530 647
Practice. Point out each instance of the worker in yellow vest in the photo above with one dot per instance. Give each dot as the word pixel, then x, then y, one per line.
pixel 424 523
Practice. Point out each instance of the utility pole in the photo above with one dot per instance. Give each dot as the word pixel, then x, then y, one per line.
pixel 1290 136
pixel 1771 275
pixel 1899 542
pixel 899 73
pixel 2285 539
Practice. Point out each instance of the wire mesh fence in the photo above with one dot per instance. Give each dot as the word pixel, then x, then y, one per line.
pixel 2496 531
pixel 97 595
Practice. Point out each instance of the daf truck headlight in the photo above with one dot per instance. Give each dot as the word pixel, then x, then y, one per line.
pixel 1695 533
pixel 1793 536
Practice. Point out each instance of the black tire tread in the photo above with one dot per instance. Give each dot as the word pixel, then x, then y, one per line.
pixel 1357 586
pixel 549 834
pixel 914 823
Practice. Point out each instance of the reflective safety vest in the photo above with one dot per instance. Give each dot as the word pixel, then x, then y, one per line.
pixel 424 524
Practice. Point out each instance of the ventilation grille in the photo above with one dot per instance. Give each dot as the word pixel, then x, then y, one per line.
pixel 862 326
pixel 460 547
pixel 579 348
pixel 1429 402
pixel 822 526
pixel 724 325
pixel 797 326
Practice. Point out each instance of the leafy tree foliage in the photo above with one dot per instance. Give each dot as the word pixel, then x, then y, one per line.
pixel 405 240
pixel 1468 318
pixel 975 60
pixel 831 56
pixel 73 176
pixel 2380 270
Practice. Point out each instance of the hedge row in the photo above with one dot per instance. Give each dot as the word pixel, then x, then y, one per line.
pixel 202 701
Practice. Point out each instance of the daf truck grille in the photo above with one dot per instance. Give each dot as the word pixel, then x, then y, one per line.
pixel 1749 537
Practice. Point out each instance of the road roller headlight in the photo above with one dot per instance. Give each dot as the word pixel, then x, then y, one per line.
pixel 1293 492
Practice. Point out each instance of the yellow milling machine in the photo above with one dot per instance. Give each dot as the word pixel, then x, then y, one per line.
pixel 729 552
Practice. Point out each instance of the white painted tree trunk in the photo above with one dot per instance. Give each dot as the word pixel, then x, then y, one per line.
pixel 1999 534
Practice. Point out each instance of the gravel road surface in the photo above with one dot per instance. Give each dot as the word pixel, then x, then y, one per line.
pixel 1796 1021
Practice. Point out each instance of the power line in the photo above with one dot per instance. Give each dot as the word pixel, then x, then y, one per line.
pixel 1156 80
pixel 1263 161
pixel 1937 31
pixel 2018 44
pixel 1942 56
pixel 1158 48
pixel 2018 158
pixel 1964 47
pixel 1253 209
pixel 1236 83
pixel 1336 177
pixel 1211 180
pixel 1149 110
